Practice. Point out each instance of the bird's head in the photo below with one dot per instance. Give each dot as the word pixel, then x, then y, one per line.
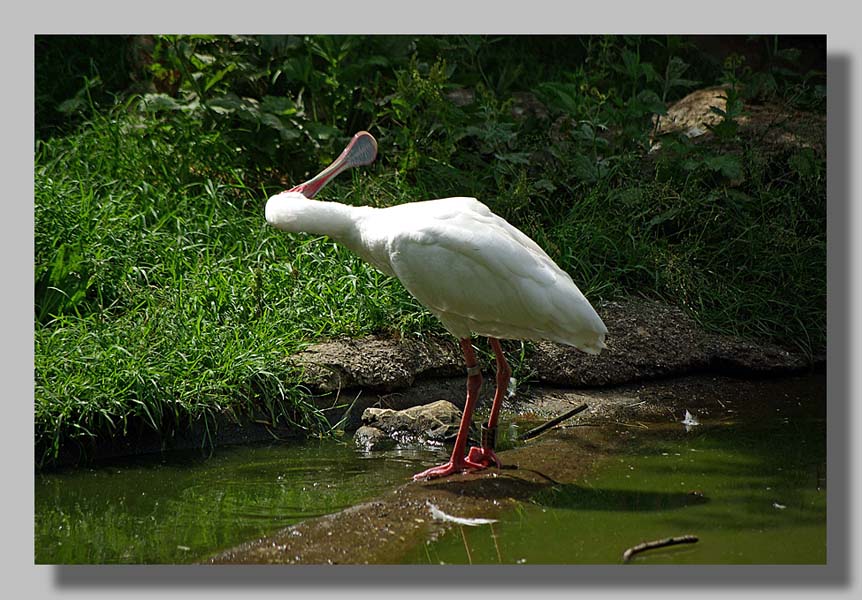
pixel 292 210
pixel 362 150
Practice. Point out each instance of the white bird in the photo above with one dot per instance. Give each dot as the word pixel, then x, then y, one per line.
pixel 473 270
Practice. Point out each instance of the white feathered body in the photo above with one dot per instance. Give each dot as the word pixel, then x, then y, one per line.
pixel 472 269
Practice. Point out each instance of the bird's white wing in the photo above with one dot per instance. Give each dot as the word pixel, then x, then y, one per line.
pixel 478 273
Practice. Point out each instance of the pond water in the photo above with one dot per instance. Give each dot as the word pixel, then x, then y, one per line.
pixel 182 506
pixel 752 490
pixel 751 495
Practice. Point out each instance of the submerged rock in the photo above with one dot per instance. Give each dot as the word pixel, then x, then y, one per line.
pixel 387 529
pixel 369 439
pixel 434 422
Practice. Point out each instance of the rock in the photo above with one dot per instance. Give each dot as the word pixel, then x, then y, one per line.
pixel 347 411
pixel 461 96
pixel 649 340
pixel 779 129
pixel 377 363
pixel 693 114
pixel 646 340
pixel 368 439
pixel 526 105
pixel 428 422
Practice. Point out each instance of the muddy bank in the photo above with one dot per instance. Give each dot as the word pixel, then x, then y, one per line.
pixel 387 528
pixel 646 341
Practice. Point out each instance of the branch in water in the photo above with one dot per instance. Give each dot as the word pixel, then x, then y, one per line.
pixel 552 423
pixel 673 541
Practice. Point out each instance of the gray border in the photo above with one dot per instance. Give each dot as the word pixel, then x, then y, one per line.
pixel 843 134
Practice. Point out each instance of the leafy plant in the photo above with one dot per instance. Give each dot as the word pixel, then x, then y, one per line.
pixel 727 128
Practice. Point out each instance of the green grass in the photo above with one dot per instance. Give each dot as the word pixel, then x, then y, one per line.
pixel 162 297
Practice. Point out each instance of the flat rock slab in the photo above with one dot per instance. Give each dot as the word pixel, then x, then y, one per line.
pixel 646 340
pixel 649 340
pixel 384 530
pixel 377 363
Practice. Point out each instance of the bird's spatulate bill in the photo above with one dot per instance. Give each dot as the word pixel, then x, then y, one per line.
pixel 362 150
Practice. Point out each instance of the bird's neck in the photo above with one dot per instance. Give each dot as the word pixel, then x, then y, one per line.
pixel 301 215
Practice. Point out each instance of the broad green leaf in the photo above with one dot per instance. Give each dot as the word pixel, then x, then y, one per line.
pixel 159 102
pixel 726 164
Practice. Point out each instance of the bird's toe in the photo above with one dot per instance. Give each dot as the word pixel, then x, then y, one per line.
pixel 485 457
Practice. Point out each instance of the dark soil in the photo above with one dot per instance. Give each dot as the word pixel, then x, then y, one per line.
pixel 646 341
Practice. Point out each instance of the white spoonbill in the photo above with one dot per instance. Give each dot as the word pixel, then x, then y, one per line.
pixel 473 270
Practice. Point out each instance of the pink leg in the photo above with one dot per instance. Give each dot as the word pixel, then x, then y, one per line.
pixel 485 455
pixel 458 462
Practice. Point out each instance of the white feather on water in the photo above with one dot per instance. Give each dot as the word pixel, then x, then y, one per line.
pixel 441 516
pixel 690 421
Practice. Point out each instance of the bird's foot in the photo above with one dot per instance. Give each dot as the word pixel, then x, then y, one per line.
pixel 450 468
pixel 483 456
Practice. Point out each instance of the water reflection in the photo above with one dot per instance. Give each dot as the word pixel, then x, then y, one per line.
pixel 752 494
pixel 181 507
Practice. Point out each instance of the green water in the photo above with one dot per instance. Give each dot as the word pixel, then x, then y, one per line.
pixel 751 495
pixel 182 507
pixel 753 490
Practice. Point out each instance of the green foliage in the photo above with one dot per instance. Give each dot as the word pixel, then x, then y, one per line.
pixel 161 296
pixel 727 128
pixel 74 73
pixel 780 79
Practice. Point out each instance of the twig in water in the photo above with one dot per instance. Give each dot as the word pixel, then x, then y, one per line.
pixel 496 546
pixel 673 541
pixel 466 546
pixel 635 425
pixel 553 422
